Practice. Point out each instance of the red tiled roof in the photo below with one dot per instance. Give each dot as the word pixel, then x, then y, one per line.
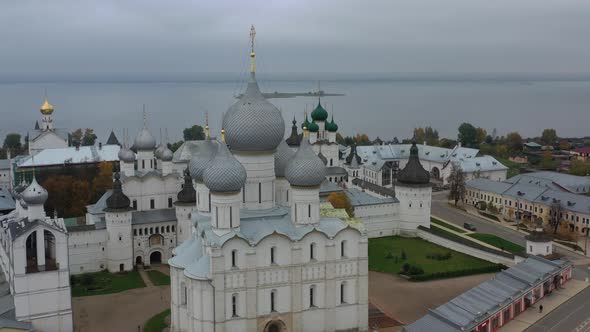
pixel 583 150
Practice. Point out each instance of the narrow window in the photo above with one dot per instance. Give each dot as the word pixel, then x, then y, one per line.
pixel 173 228
pixel 167 229
pixel 342 249
pixel 272 255
pixel 234 258
pixel 209 202
pixel 231 221
pixel 244 194
pixel 309 211
pixel 272 300
pixel 312 252
pixel 217 217
pixel 143 164
pixel 135 232
pixel 259 192
pixel 141 231
pixel 134 204
pixel 311 296
pixel 234 305
pixel 169 202
pixel 152 204
pixel 287 195
pixel 342 292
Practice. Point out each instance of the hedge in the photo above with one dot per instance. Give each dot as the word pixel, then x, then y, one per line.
pixel 458 273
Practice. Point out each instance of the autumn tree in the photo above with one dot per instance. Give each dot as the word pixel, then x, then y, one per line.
pixel 362 139
pixel 457 182
pixel 76 136
pixel 514 142
pixel 481 135
pixel 467 135
pixel 426 134
pixel 67 195
pixel 103 180
pixel 555 214
pixel 580 167
pixel 547 160
pixel 339 200
pixel 549 136
pixel 89 137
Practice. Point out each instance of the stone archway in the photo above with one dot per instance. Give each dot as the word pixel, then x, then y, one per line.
pixel 156 257
pixel 275 326
pixel 138 260
pixel 435 172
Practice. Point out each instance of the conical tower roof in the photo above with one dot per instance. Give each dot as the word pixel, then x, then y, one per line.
pixel 118 201
pixel 413 173
pixel 187 194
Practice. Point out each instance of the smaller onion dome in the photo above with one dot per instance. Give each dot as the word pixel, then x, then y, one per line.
pixel 126 155
pixel 187 194
pixel 225 174
pixel 144 140
pixel 305 123
pixel 201 160
pixel 118 201
pixel 46 108
pixel 413 173
pixel 313 127
pixel 167 154
pixel 282 157
pixel 159 150
pixel 332 126
pixel 19 189
pixel 34 194
pixel 319 113
pixel 306 169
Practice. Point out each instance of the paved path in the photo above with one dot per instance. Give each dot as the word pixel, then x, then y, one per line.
pixel 146 279
pixel 573 315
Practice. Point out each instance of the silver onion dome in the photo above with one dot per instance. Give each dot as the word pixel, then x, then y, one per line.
pixel 306 169
pixel 166 154
pixel 253 123
pixel 126 155
pixel 225 174
pixel 159 150
pixel 34 194
pixel 144 140
pixel 282 157
pixel 201 160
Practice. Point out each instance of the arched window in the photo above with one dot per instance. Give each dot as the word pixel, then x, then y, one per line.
pixel 343 249
pixel 234 258
pixel 343 292
pixel 312 251
pixel 31 252
pixel 331 162
pixel 273 298
pixel 312 296
pixel 183 295
pixel 234 305
pixel 167 229
pixel 309 210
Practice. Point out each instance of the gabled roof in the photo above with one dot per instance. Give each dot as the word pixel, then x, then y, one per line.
pixel 60 132
pixel 554 180
pixel 72 155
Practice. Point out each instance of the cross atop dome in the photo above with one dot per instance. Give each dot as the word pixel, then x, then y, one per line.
pixel 252 54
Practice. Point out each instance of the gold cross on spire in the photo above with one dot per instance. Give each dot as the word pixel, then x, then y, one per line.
pixel 252 54
pixel 207 124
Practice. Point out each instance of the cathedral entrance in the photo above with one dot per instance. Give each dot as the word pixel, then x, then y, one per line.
pixel 275 326
pixel 155 257
pixel 138 260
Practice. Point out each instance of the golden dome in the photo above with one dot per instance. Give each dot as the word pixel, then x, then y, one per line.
pixel 46 108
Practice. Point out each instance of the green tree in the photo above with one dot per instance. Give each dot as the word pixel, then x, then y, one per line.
pixel 426 134
pixel 12 142
pixel 174 146
pixel 514 142
pixel 193 133
pixel 547 160
pixel 89 137
pixel 467 135
pixel 481 135
pixel 447 143
pixel 362 139
pixel 549 136
pixel 76 136
pixel 457 182
pixel 580 167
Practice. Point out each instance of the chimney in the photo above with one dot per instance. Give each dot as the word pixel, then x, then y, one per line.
pixel 77 146
pixel 424 142
pixel 100 145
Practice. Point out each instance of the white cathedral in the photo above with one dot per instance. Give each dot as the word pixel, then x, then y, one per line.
pixel 237 219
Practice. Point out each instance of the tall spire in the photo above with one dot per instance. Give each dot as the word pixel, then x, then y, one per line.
pixel 252 54
pixel 144 116
pixel 206 124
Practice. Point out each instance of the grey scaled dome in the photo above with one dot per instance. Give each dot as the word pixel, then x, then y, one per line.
pixel 159 150
pixel 34 194
pixel 413 173
pixel 201 160
pixel 306 169
pixel 225 174
pixel 166 154
pixel 282 157
pixel 253 123
pixel 144 140
pixel 126 155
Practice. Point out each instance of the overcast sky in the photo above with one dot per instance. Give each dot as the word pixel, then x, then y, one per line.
pixel 149 36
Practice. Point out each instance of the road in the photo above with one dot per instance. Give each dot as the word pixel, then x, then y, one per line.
pixel 574 315
pixel 441 209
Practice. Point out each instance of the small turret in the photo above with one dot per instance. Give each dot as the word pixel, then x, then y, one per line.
pixel 118 216
pixel 184 206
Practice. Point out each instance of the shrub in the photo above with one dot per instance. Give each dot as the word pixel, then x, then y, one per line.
pixel 457 273
pixel 73 280
pixel 406 268
pixel 439 257
pixel 87 279
pixel 415 270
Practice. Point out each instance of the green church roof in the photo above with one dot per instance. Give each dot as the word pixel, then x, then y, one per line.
pixel 319 113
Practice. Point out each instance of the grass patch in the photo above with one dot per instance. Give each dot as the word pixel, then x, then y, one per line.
pixel 488 215
pixel 498 242
pixel 390 254
pixel 104 282
pixel 157 323
pixel 446 225
pixel 513 168
pixel 451 236
pixel 158 278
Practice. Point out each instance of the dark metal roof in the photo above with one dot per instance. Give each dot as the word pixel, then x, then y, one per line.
pixel 112 140
pixel 413 173
pixel 188 194
pixel 294 139
pixel 118 200
pixel 153 216
pixel 353 154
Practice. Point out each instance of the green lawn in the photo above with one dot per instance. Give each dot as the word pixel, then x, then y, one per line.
pixel 158 278
pixel 104 283
pixel 385 255
pixel 513 168
pixel 156 323
pixel 498 242
pixel 446 225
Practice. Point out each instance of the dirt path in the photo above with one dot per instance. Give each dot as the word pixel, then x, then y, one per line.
pixel 407 301
pixel 125 311
pixel 146 279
